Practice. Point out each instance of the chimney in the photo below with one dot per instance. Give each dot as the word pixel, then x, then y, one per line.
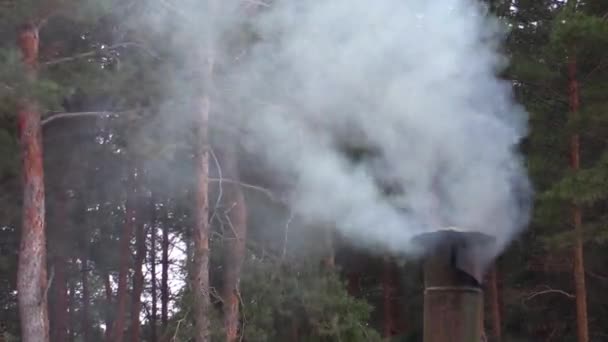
pixel 453 271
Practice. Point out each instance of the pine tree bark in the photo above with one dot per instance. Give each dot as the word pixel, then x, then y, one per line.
pixel 153 290
pixel 164 282
pixel 204 56
pixel 329 259
pixel 60 307
pixel 120 317
pixel 388 289
pixel 86 300
pixel 200 274
pixel 59 327
pixel 494 304
pixel 71 331
pixel 138 281
pixel 108 290
pixel 235 239
pixel 354 284
pixel 32 273
pixel 578 260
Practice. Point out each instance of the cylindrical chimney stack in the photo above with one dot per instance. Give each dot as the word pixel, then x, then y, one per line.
pixel 453 299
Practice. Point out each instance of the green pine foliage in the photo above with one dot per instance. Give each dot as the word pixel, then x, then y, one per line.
pixel 282 299
pixel 97 56
pixel 300 297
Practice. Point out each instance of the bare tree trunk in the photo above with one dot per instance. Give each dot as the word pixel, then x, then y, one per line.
pixel 60 307
pixel 154 314
pixel 59 327
pixel 86 295
pixel 329 260
pixel 579 266
pixel 200 260
pixel 138 281
pixel 295 330
pixel 86 300
pixel 164 284
pixel 235 239
pixel 494 303
pixel 120 317
pixel 108 318
pixel 200 274
pixel 71 331
pixel 388 287
pixel 354 286
pixel 32 274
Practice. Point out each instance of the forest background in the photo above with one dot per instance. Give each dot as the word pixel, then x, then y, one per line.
pixel 134 208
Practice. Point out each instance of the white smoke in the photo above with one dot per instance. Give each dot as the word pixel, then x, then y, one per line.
pixel 413 80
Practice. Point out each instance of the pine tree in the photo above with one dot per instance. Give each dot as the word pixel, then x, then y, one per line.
pixel 32 274
pixel 235 236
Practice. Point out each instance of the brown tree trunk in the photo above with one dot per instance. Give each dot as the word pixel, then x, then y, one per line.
pixel 329 259
pixel 295 330
pixel 138 281
pixel 354 284
pixel 579 267
pixel 86 300
pixel 120 317
pixel 60 308
pixel 32 274
pixel 388 289
pixel 153 316
pixel 494 305
pixel 72 318
pixel 164 281
pixel 235 238
pixel 108 290
pixel 200 274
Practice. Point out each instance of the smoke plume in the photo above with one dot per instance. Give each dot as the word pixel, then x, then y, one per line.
pixel 412 85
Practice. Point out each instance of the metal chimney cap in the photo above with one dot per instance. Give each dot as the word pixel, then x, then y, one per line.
pixel 454 235
pixel 465 244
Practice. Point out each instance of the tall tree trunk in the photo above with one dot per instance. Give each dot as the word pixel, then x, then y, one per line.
pixel 138 281
pixel 329 259
pixel 235 239
pixel 579 267
pixel 200 274
pixel 354 283
pixel 494 304
pixel 388 289
pixel 86 300
pixel 32 274
pixel 108 290
pixel 72 307
pixel 59 327
pixel 60 307
pixel 120 317
pixel 200 260
pixel 164 281
pixel 153 316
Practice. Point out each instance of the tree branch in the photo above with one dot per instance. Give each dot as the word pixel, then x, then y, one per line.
pixel 263 190
pixel 48 286
pixel 286 235
pixel 67 115
pixel 179 323
pixel 57 116
pixel 221 190
pixel 547 291
pixel 597 276
pixel 95 52
pixel 257 3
